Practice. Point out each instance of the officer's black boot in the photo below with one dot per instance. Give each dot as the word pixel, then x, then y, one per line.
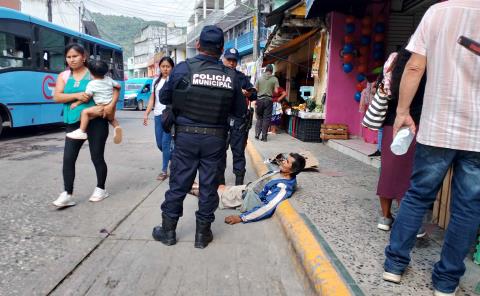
pixel 239 179
pixel 166 233
pixel 203 234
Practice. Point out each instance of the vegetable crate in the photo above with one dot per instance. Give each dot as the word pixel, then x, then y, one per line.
pixel 334 132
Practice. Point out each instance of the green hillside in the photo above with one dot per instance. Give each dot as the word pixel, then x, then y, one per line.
pixel 121 29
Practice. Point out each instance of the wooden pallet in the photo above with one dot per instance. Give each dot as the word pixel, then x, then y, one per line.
pixel 334 132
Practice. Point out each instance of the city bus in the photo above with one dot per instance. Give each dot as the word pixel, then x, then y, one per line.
pixel 31 57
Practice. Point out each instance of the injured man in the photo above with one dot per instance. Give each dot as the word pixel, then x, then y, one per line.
pixel 259 199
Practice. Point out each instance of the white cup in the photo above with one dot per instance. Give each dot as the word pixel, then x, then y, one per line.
pixel 402 141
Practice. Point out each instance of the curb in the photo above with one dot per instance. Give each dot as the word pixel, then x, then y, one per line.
pixel 321 273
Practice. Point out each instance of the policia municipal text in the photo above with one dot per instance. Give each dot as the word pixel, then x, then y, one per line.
pixel 203 94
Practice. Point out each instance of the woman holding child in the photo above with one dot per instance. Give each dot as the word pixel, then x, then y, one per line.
pixel 70 89
pixel 164 139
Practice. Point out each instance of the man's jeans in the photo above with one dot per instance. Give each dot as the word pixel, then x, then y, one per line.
pixel 430 167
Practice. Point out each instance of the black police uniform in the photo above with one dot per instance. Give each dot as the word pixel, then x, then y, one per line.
pixel 238 136
pixel 202 92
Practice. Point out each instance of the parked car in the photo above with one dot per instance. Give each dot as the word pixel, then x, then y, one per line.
pixel 137 93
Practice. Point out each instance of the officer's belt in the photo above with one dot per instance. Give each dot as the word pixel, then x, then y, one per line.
pixel 211 131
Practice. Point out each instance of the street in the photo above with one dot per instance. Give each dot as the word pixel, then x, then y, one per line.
pixel 106 248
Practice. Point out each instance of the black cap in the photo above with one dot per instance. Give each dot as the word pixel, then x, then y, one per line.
pixel 231 54
pixel 211 37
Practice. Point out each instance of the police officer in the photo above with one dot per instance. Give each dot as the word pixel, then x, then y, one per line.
pixel 202 92
pixel 238 125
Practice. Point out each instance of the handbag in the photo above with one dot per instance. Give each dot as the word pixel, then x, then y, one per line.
pixel 377 110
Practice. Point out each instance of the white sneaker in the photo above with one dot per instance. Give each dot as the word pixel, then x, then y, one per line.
pixel 98 194
pixel 77 135
pixel 391 277
pixel 117 135
pixel 438 293
pixel 64 200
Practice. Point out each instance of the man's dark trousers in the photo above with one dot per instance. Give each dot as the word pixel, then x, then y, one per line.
pixel 194 152
pixel 237 142
pixel 264 116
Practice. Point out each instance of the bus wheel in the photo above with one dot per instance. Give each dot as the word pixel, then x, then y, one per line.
pixel 140 105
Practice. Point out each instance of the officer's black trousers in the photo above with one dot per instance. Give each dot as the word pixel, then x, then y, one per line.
pixel 264 116
pixel 237 143
pixel 194 152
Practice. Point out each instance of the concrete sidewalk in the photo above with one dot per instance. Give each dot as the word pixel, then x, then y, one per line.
pixel 340 204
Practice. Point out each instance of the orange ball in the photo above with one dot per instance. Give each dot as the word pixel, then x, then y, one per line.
pixel 367 21
pixel 360 86
pixel 364 50
pixel 349 38
pixel 350 19
pixel 363 59
pixel 379 37
pixel 362 68
pixel 347 58
pixel 366 31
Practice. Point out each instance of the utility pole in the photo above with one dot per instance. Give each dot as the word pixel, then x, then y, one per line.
pixel 49 9
pixel 256 45
pixel 81 11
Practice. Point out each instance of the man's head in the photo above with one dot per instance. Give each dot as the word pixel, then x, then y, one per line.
pixel 230 57
pixel 211 41
pixel 269 69
pixel 293 164
pixel 97 68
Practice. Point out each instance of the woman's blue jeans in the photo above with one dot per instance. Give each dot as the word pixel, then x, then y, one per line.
pixel 164 142
pixel 430 167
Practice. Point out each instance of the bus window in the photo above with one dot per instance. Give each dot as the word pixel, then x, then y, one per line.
pixel 52 45
pixel 14 51
pixel 118 66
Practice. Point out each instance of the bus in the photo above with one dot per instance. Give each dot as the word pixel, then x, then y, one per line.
pixel 31 57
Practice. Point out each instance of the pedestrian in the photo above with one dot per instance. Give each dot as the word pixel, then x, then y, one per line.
pixel 266 86
pixel 100 88
pixel 238 132
pixel 70 87
pixel 163 138
pixel 203 92
pixel 449 135
pixel 396 169
pixel 277 110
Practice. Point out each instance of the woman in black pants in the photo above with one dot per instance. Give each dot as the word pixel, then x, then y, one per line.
pixel 70 87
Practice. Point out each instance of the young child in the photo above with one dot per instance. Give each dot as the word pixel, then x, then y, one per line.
pixel 101 89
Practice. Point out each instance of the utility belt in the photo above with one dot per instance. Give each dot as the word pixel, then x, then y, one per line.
pixel 210 131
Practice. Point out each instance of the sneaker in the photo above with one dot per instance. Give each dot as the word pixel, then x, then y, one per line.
pixel 64 200
pixel 384 223
pixel 77 134
pixel 438 293
pixel 98 194
pixel 391 277
pixel 117 135
pixel 421 232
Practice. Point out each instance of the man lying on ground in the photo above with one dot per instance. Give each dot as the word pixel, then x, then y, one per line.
pixel 259 199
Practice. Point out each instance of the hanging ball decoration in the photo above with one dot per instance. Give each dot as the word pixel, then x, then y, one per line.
pixel 350 28
pixel 362 68
pixel 360 86
pixel 348 48
pixel 349 38
pixel 360 77
pixel 379 28
pixel 364 50
pixel 367 21
pixel 378 46
pixel 358 96
pixel 350 19
pixel 347 68
pixel 348 58
pixel 365 40
pixel 363 59
pixel 366 31
pixel 379 37
pixel 377 55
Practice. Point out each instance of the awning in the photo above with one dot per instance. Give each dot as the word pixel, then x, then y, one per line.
pixel 286 49
pixel 319 8
pixel 275 17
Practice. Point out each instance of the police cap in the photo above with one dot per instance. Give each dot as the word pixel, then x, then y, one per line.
pixel 231 54
pixel 211 37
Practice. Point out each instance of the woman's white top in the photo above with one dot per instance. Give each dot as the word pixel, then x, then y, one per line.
pixel 159 107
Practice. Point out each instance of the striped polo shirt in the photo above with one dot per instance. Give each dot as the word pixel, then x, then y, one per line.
pixel 451 106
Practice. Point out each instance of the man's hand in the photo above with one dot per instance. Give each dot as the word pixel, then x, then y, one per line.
pixel 233 219
pixel 74 105
pixel 403 119
pixel 145 119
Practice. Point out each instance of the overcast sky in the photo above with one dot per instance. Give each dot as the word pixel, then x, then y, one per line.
pixel 177 11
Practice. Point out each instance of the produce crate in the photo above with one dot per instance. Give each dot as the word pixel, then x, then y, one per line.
pixel 334 131
pixel 308 130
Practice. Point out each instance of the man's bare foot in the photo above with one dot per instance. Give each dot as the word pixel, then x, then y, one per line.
pixel 233 219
